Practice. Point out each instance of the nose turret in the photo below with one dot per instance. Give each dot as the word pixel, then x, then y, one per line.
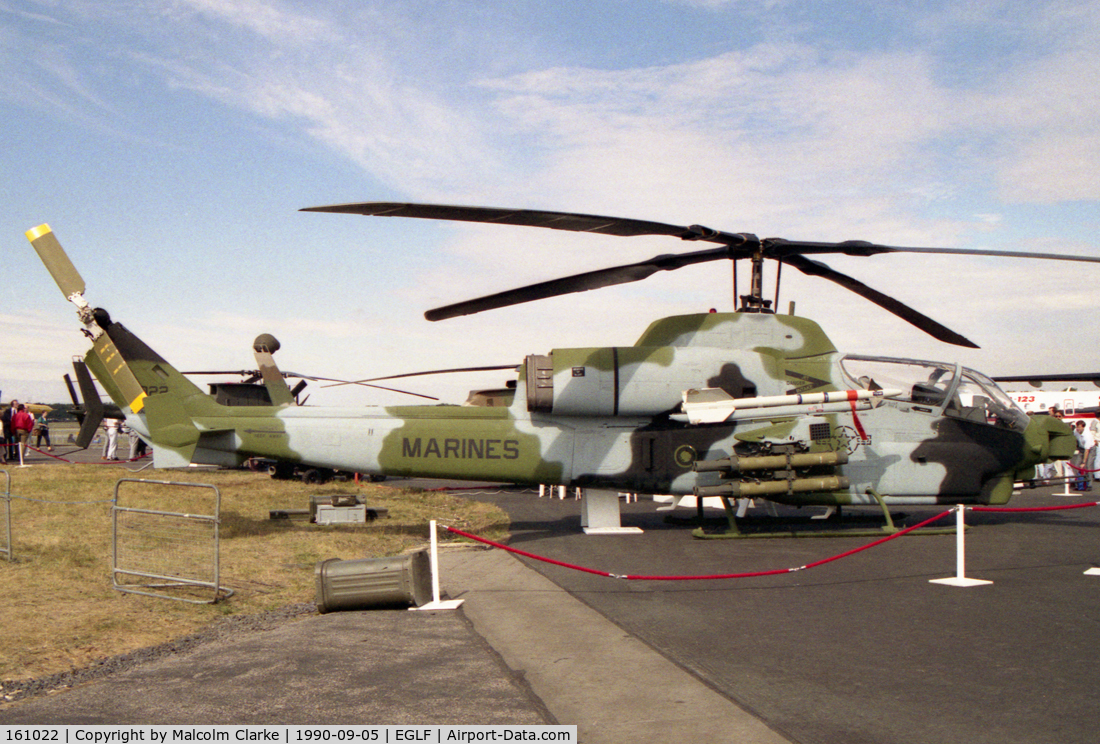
pixel 1047 438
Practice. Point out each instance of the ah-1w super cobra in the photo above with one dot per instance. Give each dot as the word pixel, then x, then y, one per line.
pixel 752 403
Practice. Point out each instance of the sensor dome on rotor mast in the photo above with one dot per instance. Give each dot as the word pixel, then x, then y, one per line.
pixel 265 342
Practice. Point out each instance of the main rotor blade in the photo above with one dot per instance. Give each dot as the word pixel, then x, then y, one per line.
pixel 936 330
pixel 313 378
pixel 424 374
pixel 581 282
pixel 627 227
pixel 739 245
pixel 241 372
pixel 248 373
pixel 571 221
pixel 392 390
pixel 57 262
pixel 780 248
pixel 367 384
pixel 1037 380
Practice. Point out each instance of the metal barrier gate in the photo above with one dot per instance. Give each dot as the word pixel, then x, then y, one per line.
pixel 5 519
pixel 153 552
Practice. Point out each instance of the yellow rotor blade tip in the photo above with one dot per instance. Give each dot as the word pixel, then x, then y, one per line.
pixel 37 232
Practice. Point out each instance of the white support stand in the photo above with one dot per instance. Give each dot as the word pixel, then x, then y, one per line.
pixel 671 502
pixel 600 514
pixel 1066 492
pixel 959 579
pixel 552 491
pixel 436 603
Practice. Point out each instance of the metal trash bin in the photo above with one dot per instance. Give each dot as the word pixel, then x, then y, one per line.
pixel 373 582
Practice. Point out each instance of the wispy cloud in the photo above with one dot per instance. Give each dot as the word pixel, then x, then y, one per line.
pixel 281 23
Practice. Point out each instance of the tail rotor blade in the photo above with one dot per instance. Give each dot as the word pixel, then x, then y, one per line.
pixel 72 286
pixel 56 260
pixel 120 373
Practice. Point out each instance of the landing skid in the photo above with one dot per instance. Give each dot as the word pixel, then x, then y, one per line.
pixel 830 524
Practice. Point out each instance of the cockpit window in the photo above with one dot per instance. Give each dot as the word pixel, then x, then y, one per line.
pixel 933 385
pixel 923 383
pixel 979 399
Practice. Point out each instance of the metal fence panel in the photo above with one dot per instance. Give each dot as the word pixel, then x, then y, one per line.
pixel 167 554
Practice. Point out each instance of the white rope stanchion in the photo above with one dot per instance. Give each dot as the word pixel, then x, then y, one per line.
pixel 437 603
pixel 959 579
pixel 1065 491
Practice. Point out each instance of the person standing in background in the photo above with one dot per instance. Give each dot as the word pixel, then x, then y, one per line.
pixel 21 424
pixel 6 446
pixel 110 445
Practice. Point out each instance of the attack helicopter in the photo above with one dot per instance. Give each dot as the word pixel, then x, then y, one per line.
pixel 748 404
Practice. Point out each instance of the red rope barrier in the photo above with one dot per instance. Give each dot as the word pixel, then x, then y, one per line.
pixel 773 572
pixel 544 559
pixel 907 530
pixel 73 462
pixel 1033 508
pixel 707 577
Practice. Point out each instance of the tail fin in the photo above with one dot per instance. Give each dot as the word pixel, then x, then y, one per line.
pixel 171 402
pixel 90 403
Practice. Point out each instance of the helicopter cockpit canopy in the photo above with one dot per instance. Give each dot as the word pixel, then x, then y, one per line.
pixel 960 392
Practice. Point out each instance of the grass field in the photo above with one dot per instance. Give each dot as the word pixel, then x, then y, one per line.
pixel 60 612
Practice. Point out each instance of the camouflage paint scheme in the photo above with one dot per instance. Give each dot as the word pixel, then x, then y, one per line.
pixel 611 418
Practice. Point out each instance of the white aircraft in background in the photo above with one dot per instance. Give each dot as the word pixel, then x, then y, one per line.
pixel 1072 402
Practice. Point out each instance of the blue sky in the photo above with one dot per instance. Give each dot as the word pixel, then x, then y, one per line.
pixel 170 145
